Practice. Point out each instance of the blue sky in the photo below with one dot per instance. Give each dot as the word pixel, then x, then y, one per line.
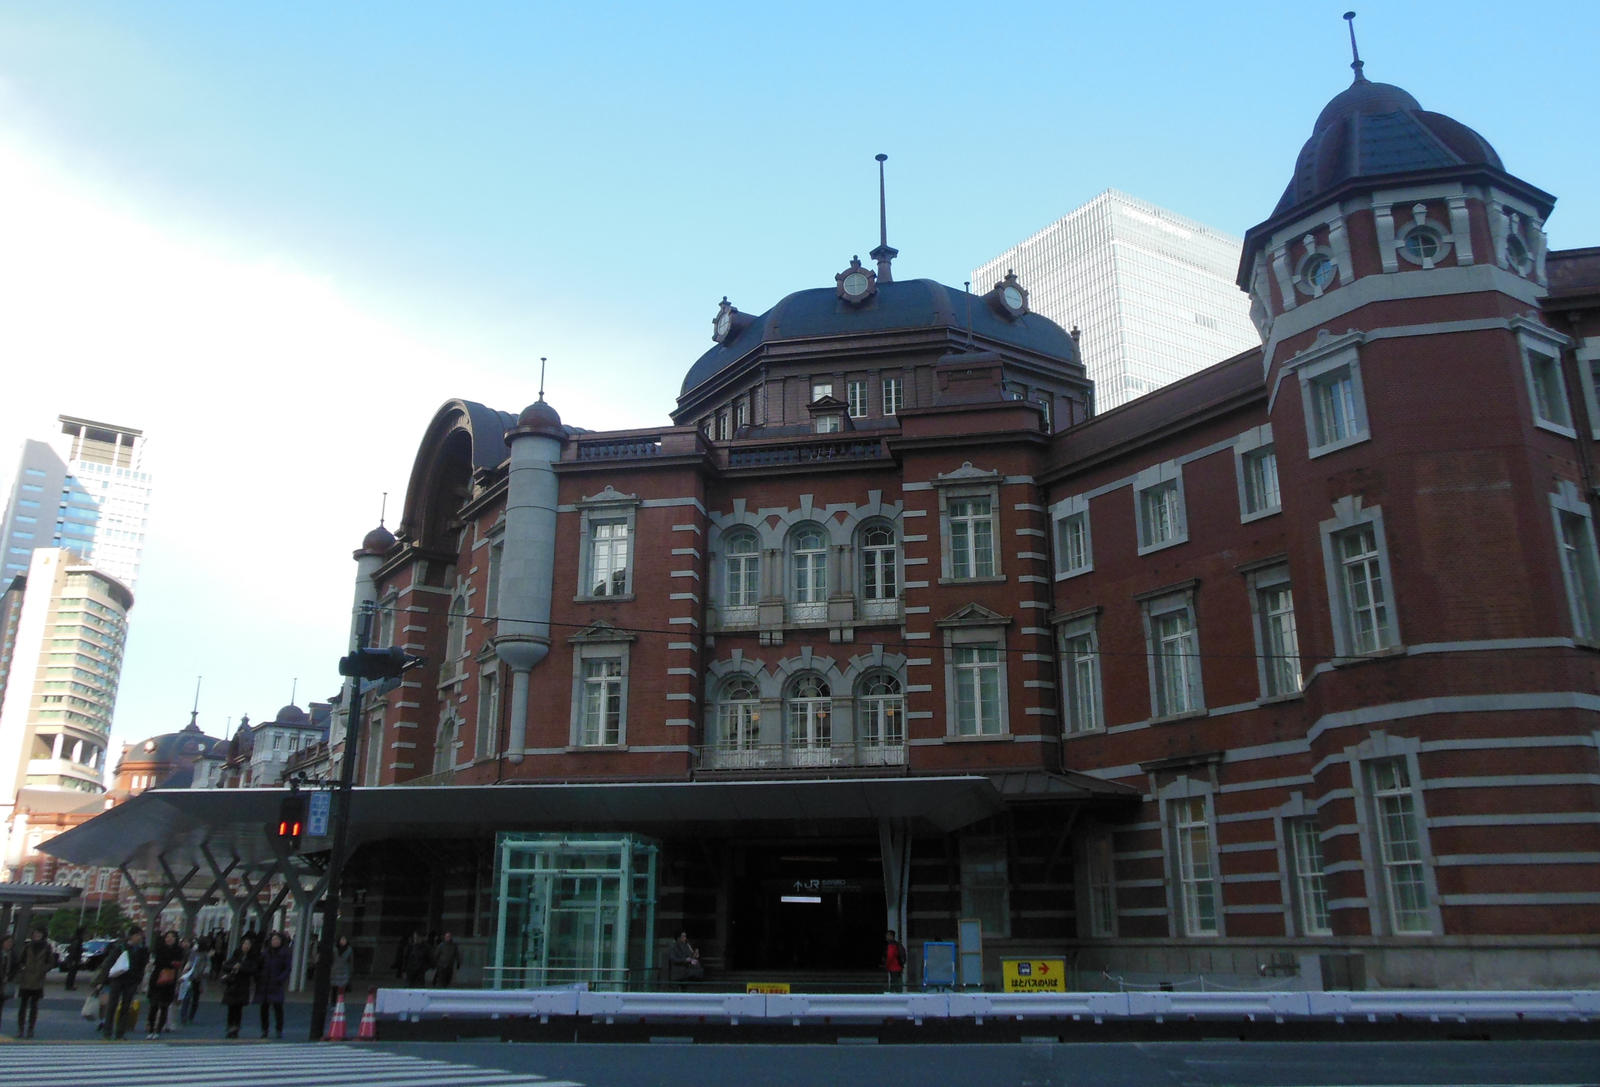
pixel 279 236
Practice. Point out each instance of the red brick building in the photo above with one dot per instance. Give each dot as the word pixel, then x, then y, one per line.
pixel 1290 665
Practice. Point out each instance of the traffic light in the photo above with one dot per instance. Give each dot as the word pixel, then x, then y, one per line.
pixel 291 819
pixel 378 662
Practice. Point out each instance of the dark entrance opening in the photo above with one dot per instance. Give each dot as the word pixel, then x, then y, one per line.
pixel 814 905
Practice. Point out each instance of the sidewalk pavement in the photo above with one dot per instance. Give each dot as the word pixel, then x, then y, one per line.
pixel 60 1019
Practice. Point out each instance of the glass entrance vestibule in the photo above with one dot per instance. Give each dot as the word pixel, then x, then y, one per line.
pixel 574 908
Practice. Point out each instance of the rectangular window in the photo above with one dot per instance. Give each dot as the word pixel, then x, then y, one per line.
pixel 608 558
pixel 1102 880
pixel 985 884
pixel 856 398
pixel 819 389
pixel 1549 391
pixel 1578 569
pixel 740 414
pixel 1044 409
pixel 1072 543
pixel 1365 600
pixel 1174 649
pixel 602 702
pixel 971 538
pixel 488 739
pixel 977 678
pixel 1161 520
pixel 1197 888
pixel 722 426
pixel 1260 468
pixel 1080 656
pixel 1277 638
pixel 829 424
pixel 893 396
pixel 1309 888
pixel 1399 845
pixel 1334 404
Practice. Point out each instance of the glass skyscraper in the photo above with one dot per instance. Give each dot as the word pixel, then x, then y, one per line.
pixel 1151 292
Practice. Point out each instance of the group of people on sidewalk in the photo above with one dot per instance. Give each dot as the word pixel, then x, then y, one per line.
pixel 176 968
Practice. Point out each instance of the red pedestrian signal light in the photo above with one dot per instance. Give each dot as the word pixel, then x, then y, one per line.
pixel 291 819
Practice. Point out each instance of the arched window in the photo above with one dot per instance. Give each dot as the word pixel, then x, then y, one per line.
pixel 741 568
pixel 455 639
pixel 809 708
pixel 880 571
pixel 738 723
pixel 881 721
pixel 444 749
pixel 808 583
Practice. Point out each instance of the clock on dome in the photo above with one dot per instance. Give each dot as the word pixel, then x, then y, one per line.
pixel 856 284
pixel 1008 297
pixel 725 322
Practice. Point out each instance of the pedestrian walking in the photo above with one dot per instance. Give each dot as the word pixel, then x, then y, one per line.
pixel 341 966
pixel 74 961
pixel 8 970
pixel 192 981
pixel 417 959
pixel 119 976
pixel 166 960
pixel 238 975
pixel 273 981
pixel 446 959
pixel 36 959
pixel 894 962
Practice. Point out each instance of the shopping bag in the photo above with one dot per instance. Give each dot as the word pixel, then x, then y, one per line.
pixel 91 1007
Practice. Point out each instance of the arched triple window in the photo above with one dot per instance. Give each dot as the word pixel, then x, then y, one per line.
pixel 808 710
pixel 880 571
pixel 808 580
pixel 881 721
pixel 741 571
pixel 739 723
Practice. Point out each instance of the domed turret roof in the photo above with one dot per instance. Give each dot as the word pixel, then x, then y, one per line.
pixel 291 715
pixel 173 748
pixel 898 305
pixel 539 414
pixel 378 541
pixel 1371 130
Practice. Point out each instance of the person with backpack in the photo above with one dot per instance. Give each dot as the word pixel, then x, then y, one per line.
pixel 894 962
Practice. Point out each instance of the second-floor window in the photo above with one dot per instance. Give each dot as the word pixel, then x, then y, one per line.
pixel 879 564
pixel 893 395
pixel 608 558
pixel 809 574
pixel 856 398
pixel 742 569
pixel 602 702
pixel 971 537
pixel 977 678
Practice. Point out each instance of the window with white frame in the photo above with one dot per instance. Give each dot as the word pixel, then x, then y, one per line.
pixel 829 423
pixel 1080 674
pixel 1257 462
pixel 722 426
pixel 497 556
pixel 1308 888
pixel 880 570
pixel 1100 876
pixel 1173 645
pixel 488 724
pixel 808 711
pixel 1277 636
pixel 1358 579
pixel 819 389
pixel 1158 496
pixel 600 723
pixel 741 576
pixel 455 637
pixel 881 718
pixel 606 557
pixel 1074 550
pixel 1332 396
pixel 741 414
pixel 1195 866
pixel 971 537
pixel 985 884
pixel 808 574
pixel 738 718
pixel 1580 573
pixel 1547 386
pixel 375 748
pixel 1398 834
pixel 856 398
pixel 1043 400
pixel 1588 356
pixel 977 675
pixel 893 395
pixel 444 746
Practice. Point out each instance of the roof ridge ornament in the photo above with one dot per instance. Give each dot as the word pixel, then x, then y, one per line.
pixel 884 254
pixel 1355 54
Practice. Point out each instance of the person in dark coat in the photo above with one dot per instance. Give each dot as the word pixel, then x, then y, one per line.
pixel 446 960
pixel 273 981
pixel 166 960
pixel 238 975
pixel 34 961
pixel 341 966
pixel 120 975
pixel 8 968
pixel 74 961
pixel 418 958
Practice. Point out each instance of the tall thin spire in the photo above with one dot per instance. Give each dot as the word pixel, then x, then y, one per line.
pixel 884 254
pixel 1355 54
pixel 383 508
pixel 541 378
pixel 194 714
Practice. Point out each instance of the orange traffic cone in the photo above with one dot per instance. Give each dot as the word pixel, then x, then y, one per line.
pixel 368 1030
pixel 336 1024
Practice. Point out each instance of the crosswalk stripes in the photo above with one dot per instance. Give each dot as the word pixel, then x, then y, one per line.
pixel 284 1064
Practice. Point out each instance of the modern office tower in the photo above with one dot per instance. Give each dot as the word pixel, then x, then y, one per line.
pixel 86 490
pixel 1153 293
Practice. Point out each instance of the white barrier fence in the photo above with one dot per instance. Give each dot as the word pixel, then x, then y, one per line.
pixel 829 1008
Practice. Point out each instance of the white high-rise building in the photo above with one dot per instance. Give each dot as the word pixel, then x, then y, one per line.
pixel 1152 293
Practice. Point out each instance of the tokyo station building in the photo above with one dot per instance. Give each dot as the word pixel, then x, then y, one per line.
pixel 1288 667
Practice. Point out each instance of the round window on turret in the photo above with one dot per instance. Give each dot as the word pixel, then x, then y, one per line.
pixel 1317 274
pixel 1422 245
pixel 1517 254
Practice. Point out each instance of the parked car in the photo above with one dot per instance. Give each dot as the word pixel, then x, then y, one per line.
pixel 93 951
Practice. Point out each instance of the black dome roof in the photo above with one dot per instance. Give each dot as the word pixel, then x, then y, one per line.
pixel 1373 129
pixel 901 304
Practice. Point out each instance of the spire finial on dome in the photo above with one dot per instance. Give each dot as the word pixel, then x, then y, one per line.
pixel 383 508
pixel 194 714
pixel 541 378
pixel 1355 54
pixel 883 254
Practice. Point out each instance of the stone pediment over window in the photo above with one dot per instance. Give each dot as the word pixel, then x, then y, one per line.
pixel 610 497
pixel 966 474
pixel 974 615
pixel 602 632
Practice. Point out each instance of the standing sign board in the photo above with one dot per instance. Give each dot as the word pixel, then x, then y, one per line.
pixel 317 812
pixel 938 965
pixel 970 930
